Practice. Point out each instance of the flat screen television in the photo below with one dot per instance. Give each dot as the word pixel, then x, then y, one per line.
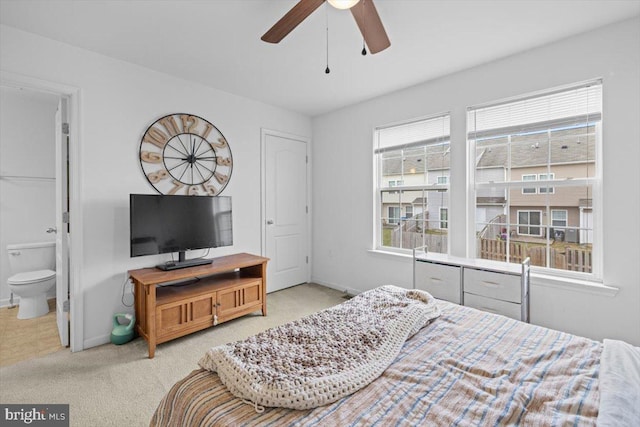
pixel 162 224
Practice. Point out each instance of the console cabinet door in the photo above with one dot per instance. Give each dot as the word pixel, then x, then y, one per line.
pixel 184 316
pixel 441 281
pixel 236 302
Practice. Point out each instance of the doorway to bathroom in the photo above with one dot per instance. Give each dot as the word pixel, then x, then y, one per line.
pixel 34 188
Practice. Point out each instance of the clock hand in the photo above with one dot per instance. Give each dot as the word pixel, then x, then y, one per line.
pixel 192 158
pixel 199 145
pixel 176 158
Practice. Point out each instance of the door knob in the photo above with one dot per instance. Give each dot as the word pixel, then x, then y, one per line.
pixel 52 230
pixel 269 222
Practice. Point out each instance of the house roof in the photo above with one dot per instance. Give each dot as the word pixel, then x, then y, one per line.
pixel 566 146
pixel 575 145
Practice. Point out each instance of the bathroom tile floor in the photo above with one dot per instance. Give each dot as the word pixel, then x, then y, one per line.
pixel 22 339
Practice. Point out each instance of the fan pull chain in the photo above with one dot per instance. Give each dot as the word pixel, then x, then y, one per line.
pixel 364 28
pixel 327 70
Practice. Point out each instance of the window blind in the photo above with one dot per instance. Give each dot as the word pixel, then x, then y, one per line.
pixel 583 102
pixel 420 132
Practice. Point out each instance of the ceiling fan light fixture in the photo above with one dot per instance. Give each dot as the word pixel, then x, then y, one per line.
pixel 343 4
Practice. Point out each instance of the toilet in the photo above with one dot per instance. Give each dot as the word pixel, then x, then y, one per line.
pixel 33 274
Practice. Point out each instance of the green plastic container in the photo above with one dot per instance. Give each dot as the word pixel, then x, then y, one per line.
pixel 122 334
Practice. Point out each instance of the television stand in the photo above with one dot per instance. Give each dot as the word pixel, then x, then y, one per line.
pixel 175 265
pixel 230 287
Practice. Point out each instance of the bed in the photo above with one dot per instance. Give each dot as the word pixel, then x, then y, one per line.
pixel 462 367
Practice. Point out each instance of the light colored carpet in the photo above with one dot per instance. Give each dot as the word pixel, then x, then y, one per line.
pixel 114 385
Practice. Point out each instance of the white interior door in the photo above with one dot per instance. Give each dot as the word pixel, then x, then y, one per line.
pixel 285 211
pixel 62 235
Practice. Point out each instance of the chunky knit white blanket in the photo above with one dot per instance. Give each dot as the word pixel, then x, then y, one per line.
pixel 321 358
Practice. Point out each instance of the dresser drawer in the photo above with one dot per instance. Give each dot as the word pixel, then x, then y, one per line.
pixel 504 308
pixel 441 281
pixel 490 284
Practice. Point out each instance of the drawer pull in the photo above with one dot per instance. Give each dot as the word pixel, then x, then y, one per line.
pixel 490 284
pixel 435 279
pixel 491 310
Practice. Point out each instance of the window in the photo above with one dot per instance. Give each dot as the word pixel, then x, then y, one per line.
pixel 444 218
pixel 408 211
pixel 553 139
pixel 529 190
pixel 558 218
pixel 394 214
pixel 544 177
pixel 410 160
pixel 527 219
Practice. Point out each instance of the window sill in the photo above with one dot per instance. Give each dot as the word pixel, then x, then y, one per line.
pixel 386 253
pixel 537 279
pixel 586 286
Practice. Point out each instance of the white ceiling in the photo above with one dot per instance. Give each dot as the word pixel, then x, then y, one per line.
pixel 217 42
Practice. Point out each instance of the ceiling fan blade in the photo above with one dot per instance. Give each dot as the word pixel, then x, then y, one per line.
pixel 288 22
pixel 370 25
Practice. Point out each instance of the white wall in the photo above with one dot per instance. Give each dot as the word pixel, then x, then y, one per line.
pixel 343 139
pixel 118 101
pixel 27 174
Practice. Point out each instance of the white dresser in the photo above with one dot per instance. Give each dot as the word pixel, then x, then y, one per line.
pixel 493 286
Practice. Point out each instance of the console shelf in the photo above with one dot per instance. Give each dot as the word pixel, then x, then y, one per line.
pixel 166 308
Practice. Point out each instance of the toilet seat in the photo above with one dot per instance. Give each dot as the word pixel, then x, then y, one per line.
pixel 31 277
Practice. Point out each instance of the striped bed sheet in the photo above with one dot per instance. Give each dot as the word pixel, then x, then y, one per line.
pixel 466 368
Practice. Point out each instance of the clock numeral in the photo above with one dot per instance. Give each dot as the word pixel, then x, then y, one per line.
pixel 207 129
pixel 170 125
pixel 177 185
pixel 221 178
pixel 193 190
pixel 210 189
pixel 155 177
pixel 220 144
pixel 156 137
pixel 150 157
pixel 189 123
pixel 223 161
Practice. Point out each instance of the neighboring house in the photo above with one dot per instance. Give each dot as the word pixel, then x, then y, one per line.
pixel 523 213
pixel 546 159
pixel 422 166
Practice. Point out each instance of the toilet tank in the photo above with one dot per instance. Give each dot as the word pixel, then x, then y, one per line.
pixel 32 257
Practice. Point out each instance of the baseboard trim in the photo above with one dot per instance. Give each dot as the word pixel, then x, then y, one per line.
pixel 350 291
pixel 96 341
pixel 6 302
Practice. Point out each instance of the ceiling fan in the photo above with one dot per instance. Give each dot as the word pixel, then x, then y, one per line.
pixel 363 11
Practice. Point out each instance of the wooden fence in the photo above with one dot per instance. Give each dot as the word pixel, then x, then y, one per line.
pixel 411 239
pixel 566 258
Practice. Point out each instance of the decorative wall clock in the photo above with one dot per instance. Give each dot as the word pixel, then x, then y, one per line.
pixel 185 154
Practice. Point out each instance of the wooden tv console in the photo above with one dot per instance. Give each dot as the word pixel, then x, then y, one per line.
pixel 231 286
